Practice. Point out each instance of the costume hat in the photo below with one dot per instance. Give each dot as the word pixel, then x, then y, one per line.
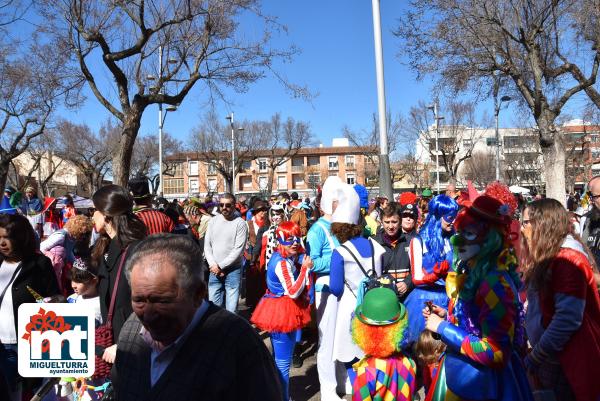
pixel 331 193
pixel 139 188
pixel 380 307
pixel 5 207
pixel 426 193
pixel 409 209
pixel 348 207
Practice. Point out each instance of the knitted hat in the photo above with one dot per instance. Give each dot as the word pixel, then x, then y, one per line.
pixel 409 209
pixel 363 194
pixel 348 207
pixel 191 210
pixel 380 307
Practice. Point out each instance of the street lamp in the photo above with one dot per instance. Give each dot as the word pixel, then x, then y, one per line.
pixel 230 118
pixel 497 105
pixel 161 117
pixel 434 108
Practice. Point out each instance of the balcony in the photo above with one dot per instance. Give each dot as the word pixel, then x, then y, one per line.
pixel 297 169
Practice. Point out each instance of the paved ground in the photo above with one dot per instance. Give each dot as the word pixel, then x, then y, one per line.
pixel 304 381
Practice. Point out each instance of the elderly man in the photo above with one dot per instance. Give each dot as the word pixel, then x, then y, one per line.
pixel 178 346
pixel 589 225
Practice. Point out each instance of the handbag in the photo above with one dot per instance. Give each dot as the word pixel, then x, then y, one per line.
pixel 104 334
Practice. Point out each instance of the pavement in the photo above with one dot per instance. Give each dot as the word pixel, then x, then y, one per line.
pixel 304 381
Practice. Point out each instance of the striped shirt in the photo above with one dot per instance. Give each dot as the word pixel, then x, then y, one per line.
pixel 155 221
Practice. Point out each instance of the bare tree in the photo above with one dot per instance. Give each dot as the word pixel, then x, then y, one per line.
pixel 457 137
pixel 280 142
pixel 546 56
pixel 211 141
pixel 144 161
pixel 414 170
pixel 480 168
pixel 88 151
pixel 368 140
pixel 180 43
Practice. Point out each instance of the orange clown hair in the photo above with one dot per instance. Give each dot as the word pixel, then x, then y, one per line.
pixel 379 341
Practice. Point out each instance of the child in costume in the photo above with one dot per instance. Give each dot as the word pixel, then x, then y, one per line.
pixel 284 309
pixel 484 329
pixel 428 353
pixel 430 259
pixel 378 328
pixel 350 263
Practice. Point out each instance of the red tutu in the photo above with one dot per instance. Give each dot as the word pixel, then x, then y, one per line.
pixel 281 314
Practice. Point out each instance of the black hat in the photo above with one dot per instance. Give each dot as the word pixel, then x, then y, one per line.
pixel 139 188
pixel 260 205
pixel 409 209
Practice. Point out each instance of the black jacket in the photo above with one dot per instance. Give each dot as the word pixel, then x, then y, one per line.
pixel 37 273
pixel 397 259
pixel 107 272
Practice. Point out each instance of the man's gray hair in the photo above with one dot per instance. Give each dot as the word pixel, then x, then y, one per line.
pixel 183 253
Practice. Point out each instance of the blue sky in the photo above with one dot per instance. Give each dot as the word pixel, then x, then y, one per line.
pixel 337 62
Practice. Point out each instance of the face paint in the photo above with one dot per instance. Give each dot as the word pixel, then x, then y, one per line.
pixel 276 219
pixel 467 252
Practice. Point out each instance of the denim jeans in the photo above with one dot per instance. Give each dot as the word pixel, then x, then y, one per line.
pixel 8 368
pixel 225 291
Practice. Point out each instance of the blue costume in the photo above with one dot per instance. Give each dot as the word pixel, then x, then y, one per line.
pixel 430 260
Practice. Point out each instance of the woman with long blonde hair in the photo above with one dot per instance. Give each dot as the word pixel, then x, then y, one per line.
pixel 563 315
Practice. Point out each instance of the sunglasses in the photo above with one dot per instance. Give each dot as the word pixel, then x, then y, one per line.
pixel 408 216
pixel 592 196
pixel 227 205
pixel 290 241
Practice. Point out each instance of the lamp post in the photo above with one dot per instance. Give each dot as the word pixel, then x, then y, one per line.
pixel 385 178
pixel 437 118
pixel 161 117
pixel 497 105
pixel 230 118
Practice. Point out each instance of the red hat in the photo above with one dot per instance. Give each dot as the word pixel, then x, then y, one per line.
pixel 484 209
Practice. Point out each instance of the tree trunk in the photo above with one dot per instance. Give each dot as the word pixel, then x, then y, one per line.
pixel 270 180
pixel 4 169
pixel 554 169
pixel 122 158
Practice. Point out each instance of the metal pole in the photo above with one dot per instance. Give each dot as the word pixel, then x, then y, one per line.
pixel 385 179
pixel 437 146
pixel 497 139
pixel 232 156
pixel 160 126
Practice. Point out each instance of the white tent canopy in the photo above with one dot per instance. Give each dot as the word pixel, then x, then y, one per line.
pixel 78 201
pixel 515 189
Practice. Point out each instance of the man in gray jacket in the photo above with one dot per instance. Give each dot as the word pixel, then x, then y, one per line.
pixel 224 246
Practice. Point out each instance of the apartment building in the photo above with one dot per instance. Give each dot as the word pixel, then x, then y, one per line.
pixel 302 173
pixel 521 161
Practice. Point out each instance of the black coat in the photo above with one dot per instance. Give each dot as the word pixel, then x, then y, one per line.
pixel 107 272
pixel 397 258
pixel 37 273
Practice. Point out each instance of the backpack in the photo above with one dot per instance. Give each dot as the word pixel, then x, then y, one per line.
pixel 371 280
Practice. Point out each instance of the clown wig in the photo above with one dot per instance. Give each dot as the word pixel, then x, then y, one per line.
pixel 431 232
pixel 379 341
pixel 406 198
pixel 502 193
pixel 285 231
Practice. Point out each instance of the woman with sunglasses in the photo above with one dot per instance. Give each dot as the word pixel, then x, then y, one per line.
pixel 284 310
pixel 430 259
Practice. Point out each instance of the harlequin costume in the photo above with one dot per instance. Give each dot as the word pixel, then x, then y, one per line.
pixel 484 330
pixel 284 309
pixel 378 328
pixel 430 259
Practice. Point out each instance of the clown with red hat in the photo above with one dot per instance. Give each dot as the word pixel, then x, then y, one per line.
pixel 483 327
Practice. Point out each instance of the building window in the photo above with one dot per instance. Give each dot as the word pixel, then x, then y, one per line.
pixel 176 169
pixel 246 165
pixel 246 183
pixel 262 165
pixel 282 167
pixel 594 138
pixel 262 183
pixel 314 179
pixel 595 153
pixel 192 168
pixel 194 186
pixel 281 182
pixel 350 161
pixel 211 169
pixel 468 143
pixel 314 160
pixel 333 163
pixel 212 184
pixel 173 186
pixel 350 179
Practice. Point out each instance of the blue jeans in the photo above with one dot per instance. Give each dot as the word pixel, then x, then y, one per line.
pixel 225 291
pixel 283 351
pixel 8 366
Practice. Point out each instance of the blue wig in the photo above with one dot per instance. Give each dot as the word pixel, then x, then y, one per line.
pixel 431 232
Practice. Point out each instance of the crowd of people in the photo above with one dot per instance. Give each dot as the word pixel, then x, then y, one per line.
pixel 467 295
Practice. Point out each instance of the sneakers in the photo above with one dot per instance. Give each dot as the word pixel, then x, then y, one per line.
pixel 297 361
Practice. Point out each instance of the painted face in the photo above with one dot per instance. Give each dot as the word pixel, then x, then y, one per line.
pixel 468 241
pixel 447 222
pixel 409 221
pixel 276 218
